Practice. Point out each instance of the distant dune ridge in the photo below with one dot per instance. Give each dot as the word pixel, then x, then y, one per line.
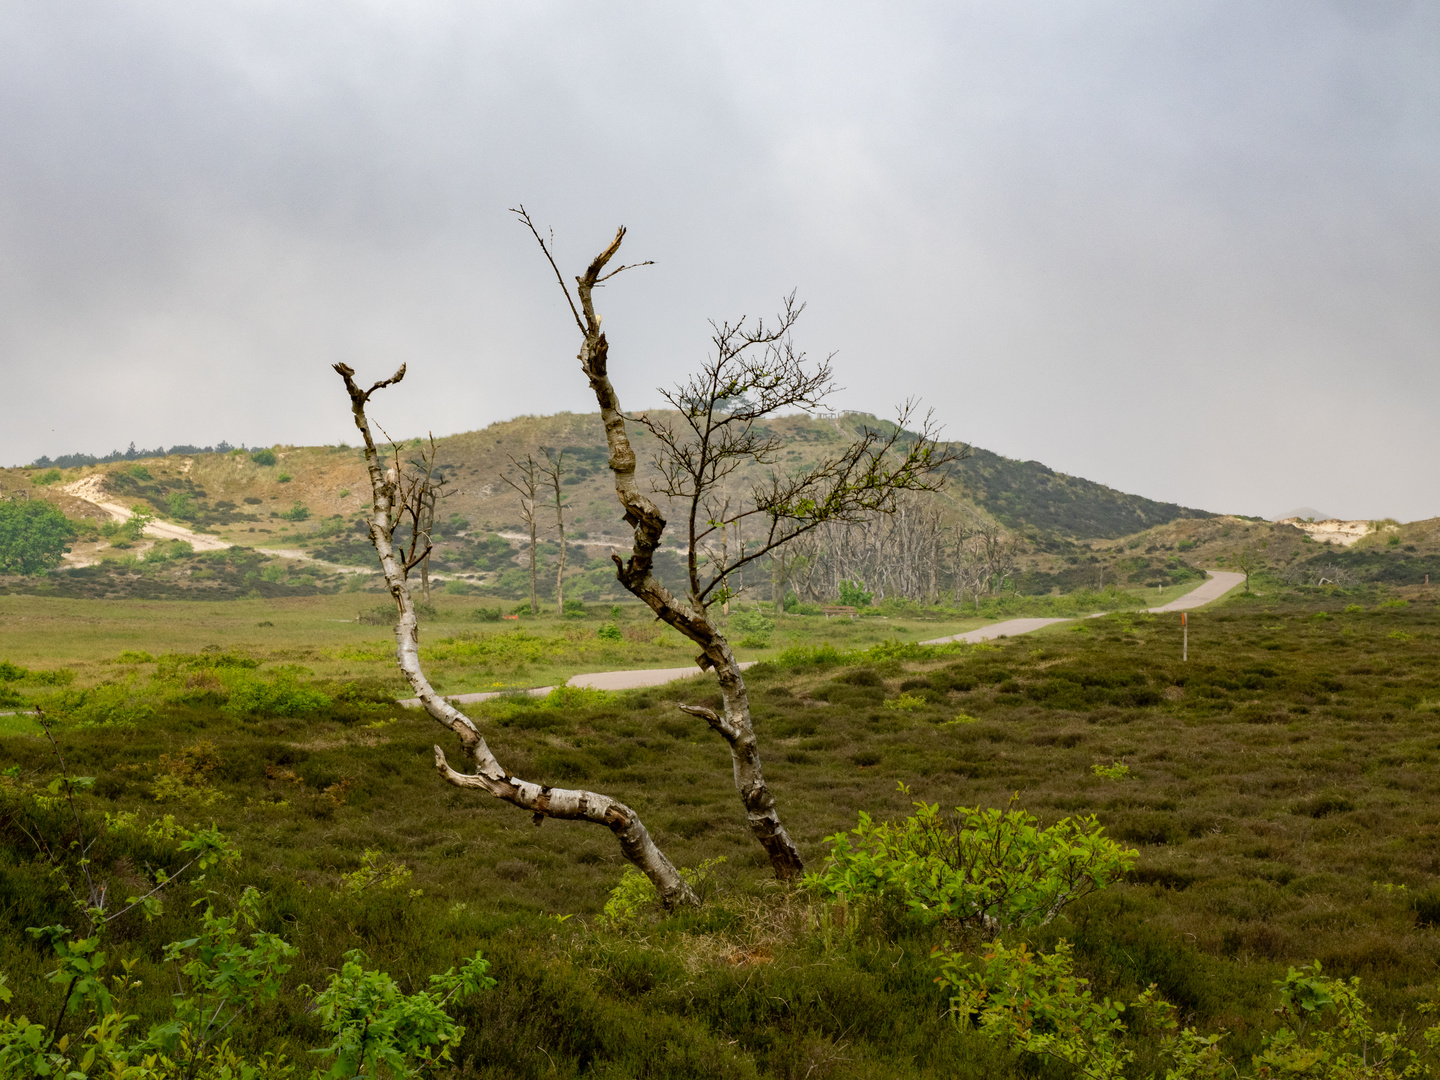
pixel 1304 513
pixel 306 506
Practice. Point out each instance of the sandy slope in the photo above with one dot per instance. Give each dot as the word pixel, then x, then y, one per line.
pixel 91 489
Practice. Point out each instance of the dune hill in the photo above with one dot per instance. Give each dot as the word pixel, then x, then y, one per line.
pixel 1074 533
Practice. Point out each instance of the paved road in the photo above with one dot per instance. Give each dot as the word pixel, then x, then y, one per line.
pixel 634 680
pixel 1008 628
pixel 1219 583
pixel 595 680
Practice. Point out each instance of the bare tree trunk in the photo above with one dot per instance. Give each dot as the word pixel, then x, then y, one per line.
pixel 541 800
pixel 636 575
pixel 555 470
pixel 526 487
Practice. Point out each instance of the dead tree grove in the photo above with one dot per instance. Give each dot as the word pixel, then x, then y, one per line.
pixel 394 495
pixel 554 470
pixel 526 482
pixel 753 372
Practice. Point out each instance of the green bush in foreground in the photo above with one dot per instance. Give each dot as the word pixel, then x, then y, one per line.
pixel 993 869
pixel 1038 1006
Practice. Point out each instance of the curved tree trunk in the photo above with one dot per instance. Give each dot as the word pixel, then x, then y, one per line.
pixel 636 575
pixel 540 800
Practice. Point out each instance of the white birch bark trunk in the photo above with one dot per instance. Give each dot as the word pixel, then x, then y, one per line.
pixel 541 800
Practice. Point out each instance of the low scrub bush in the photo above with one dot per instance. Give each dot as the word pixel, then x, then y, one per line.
pixel 109 704
pixel 281 696
pixel 753 627
pixel 993 869
pixel 1038 1007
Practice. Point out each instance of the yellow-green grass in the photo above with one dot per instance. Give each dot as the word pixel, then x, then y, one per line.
pixel 321 632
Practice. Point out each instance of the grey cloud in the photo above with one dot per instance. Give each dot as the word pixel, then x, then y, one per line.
pixel 1187 249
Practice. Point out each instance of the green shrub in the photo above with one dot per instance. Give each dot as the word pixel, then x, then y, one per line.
pixel 109 704
pixel 282 696
pixel 263 457
pixel 799 656
pixel 575 697
pixel 297 512
pixel 635 892
pixel 575 609
pixel 753 627
pixel 34 537
pixel 181 505
pixel 130 530
pixel 853 594
pixel 906 703
pixel 992 868
pixel 1038 1006
pixel 609 632
pixel 46 478
pixel 486 614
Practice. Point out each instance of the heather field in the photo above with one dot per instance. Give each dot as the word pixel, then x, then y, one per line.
pixel 1279 789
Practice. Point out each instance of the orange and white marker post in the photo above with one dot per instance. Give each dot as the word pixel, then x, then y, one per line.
pixel 1184 638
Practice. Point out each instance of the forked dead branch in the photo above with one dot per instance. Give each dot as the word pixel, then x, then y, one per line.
pixel 390 488
pixel 754 372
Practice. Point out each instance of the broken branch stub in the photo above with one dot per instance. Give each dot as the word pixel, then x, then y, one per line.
pixel 542 801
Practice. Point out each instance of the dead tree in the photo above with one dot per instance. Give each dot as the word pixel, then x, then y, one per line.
pixel 426 492
pixel 554 471
pixel 390 488
pixel 526 483
pixel 754 372
pixel 985 558
pixel 785 565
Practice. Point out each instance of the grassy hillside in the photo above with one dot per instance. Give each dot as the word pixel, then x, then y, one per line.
pixel 1077 534
pixel 232 494
pixel 312 499
pixel 1029 497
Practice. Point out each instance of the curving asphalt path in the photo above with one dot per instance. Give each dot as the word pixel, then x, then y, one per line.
pixel 1221 582
pixel 1217 585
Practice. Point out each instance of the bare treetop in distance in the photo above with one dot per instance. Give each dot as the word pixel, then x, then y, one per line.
pixel 526 484
pixel 754 372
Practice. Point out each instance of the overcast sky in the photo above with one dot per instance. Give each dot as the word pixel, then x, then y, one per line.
pixel 1187 249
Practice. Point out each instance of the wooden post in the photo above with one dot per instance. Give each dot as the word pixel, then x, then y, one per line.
pixel 1184 637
